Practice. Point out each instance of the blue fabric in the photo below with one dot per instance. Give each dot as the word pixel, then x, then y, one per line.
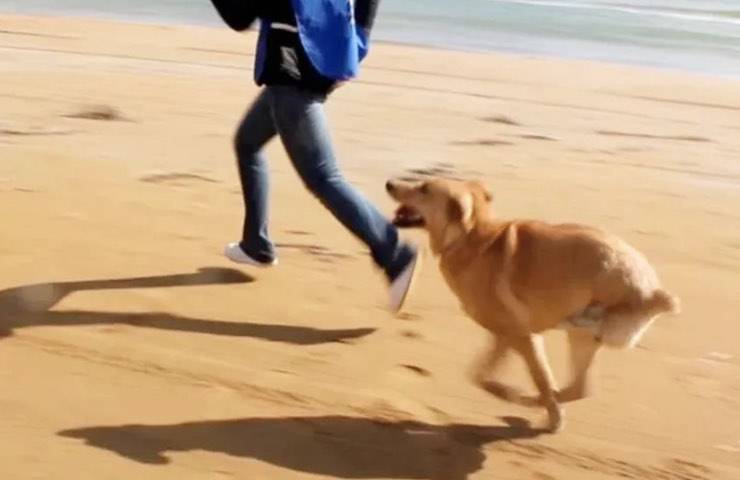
pixel 298 118
pixel 335 45
pixel 333 42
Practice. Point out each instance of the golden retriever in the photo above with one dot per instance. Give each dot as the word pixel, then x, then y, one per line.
pixel 519 278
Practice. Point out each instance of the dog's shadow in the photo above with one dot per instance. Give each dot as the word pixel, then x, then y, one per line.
pixel 31 305
pixel 335 446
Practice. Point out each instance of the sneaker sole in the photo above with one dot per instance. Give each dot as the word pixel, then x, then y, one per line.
pixel 245 259
pixel 413 271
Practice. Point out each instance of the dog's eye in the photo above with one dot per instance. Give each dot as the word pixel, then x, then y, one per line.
pixel 424 189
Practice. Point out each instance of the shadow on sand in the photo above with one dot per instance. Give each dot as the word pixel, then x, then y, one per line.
pixel 31 305
pixel 336 446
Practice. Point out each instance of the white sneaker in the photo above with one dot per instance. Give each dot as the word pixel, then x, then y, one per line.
pixel 401 286
pixel 234 252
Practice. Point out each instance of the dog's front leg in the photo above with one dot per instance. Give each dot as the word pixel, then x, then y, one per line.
pixel 532 348
pixel 486 368
pixel 489 362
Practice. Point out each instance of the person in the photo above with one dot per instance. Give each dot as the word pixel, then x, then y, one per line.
pixel 306 49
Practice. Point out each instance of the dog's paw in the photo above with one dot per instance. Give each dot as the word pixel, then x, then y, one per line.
pixel 555 420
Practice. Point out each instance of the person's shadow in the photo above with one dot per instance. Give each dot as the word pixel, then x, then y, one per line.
pixel 335 446
pixel 31 305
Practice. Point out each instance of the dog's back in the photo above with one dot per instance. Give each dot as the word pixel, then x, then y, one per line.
pixel 553 271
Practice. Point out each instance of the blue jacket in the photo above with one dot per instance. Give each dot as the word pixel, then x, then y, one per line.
pixel 335 45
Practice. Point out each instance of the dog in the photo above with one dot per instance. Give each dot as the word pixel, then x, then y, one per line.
pixel 520 278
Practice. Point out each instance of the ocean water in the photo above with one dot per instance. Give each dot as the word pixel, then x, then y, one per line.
pixel 695 35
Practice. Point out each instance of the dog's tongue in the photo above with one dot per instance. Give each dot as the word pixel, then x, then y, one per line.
pixel 407 217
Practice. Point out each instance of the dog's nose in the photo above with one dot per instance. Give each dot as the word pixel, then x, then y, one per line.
pixel 390 186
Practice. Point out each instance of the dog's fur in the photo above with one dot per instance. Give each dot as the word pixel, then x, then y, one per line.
pixel 520 278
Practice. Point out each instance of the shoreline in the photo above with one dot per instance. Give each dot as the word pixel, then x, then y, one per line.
pixel 420 45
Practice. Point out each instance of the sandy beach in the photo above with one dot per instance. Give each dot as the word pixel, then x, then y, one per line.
pixel 129 348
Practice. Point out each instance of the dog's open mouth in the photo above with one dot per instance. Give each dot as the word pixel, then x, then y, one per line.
pixel 408 217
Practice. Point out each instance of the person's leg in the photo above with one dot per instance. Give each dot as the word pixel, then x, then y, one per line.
pixel 301 124
pixel 255 130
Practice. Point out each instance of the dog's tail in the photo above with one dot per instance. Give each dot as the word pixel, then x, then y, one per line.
pixel 625 324
pixel 664 302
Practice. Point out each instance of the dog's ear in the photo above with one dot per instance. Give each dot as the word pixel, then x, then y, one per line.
pixel 487 193
pixel 459 221
pixel 482 189
pixel 460 209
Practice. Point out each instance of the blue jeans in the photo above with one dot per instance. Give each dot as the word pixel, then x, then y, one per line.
pixel 297 116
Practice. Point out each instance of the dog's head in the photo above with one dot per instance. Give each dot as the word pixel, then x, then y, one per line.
pixel 447 209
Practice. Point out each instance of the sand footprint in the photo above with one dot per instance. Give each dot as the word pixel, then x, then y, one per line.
pixel 104 113
pixel 176 178
pixel 422 372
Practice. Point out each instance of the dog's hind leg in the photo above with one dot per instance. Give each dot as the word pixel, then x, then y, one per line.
pixel 625 324
pixel 622 331
pixel 583 349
